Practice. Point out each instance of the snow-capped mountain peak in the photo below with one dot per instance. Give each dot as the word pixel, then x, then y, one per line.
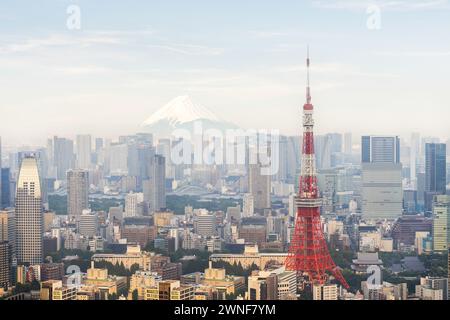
pixel 179 111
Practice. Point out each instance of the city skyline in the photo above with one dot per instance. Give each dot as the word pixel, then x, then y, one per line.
pixel 124 67
pixel 181 151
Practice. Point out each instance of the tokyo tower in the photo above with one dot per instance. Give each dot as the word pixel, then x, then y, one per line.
pixel 308 251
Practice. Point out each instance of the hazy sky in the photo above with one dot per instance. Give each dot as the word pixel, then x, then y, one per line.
pixel 244 60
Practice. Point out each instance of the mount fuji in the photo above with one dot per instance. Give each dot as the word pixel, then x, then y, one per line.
pixel 182 113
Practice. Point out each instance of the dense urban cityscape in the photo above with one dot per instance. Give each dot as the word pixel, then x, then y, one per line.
pixel 97 219
pixel 190 205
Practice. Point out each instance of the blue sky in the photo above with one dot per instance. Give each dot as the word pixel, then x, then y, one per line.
pixel 244 60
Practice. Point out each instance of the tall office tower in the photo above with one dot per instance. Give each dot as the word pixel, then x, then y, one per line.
pixel 348 143
pixel 88 224
pixel 77 192
pixel 336 142
pixel 6 200
pixel 5 265
pixel 323 152
pixel 382 191
pixel 248 206
pixel 154 187
pixel 132 204
pixel 118 159
pixel 204 223
pixel 8 229
pixel 441 223
pixel 308 252
pixel 259 187
pixel 84 151
pixel 164 149
pixel 145 154
pixel 380 149
pixel 414 158
pixel 29 214
pixel 98 144
pixel 435 172
pixel 63 156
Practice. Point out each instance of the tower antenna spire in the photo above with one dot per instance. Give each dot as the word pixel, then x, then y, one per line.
pixel 308 88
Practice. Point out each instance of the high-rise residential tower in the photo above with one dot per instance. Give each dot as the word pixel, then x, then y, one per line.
pixel 29 214
pixel 435 172
pixel 77 192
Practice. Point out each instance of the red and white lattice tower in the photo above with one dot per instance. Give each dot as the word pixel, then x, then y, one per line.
pixel 308 251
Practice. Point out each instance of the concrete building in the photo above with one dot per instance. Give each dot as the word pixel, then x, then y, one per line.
pixel 382 192
pixel 248 209
pixel 259 187
pixel 435 172
pixel 5 262
pixel 88 224
pixel 441 223
pixel 77 192
pixel 253 230
pixel 134 255
pixel 251 256
pixel 29 214
pixel 325 292
pixel 133 201
pixel 84 151
pixel 204 223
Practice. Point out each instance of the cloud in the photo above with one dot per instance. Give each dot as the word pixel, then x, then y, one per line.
pixel 399 5
pixel 189 49
pixel 418 54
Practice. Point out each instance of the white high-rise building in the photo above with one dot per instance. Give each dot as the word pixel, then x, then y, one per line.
pixel 29 214
pixel 248 209
pixel 441 223
pixel 132 202
pixel 382 192
pixel 87 224
pixel 204 223
pixel 259 187
pixel 382 189
pixel 84 151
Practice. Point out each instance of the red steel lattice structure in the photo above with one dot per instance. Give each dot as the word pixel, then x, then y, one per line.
pixel 308 251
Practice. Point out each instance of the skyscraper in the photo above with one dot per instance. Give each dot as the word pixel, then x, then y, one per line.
pixel 348 143
pixel 29 214
pixel 63 156
pixel 435 172
pixel 132 202
pixel 441 223
pixel 259 187
pixel 5 187
pixel 84 151
pixel 154 187
pixel 248 206
pixel 380 149
pixel 382 190
pixel 77 192
pixel 5 265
